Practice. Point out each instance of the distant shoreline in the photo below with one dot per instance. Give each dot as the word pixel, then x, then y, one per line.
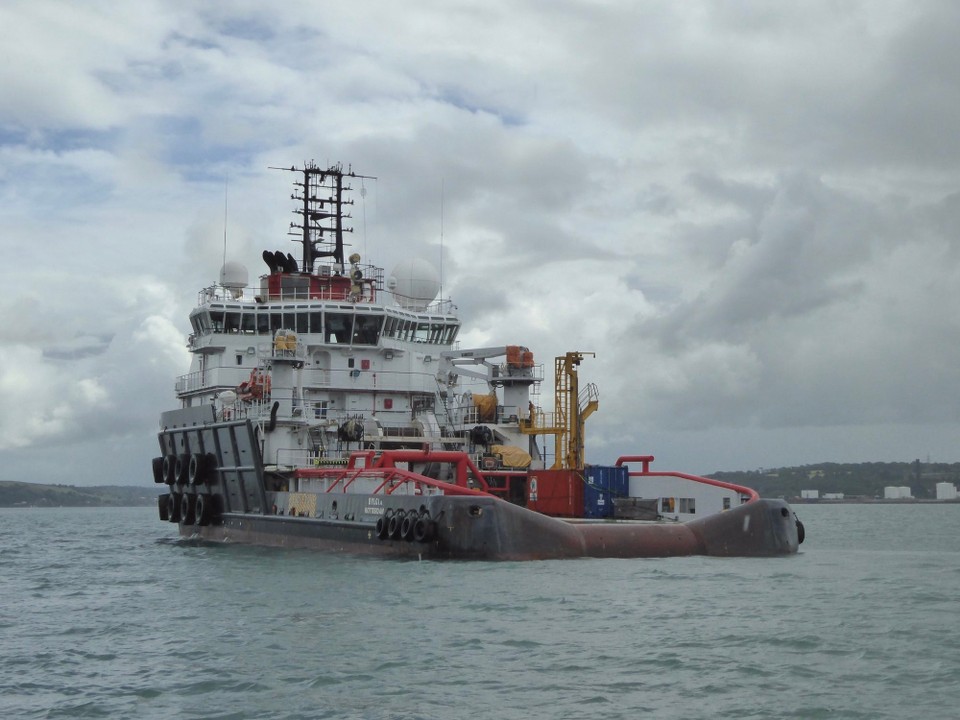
pixel 871 501
pixel 39 495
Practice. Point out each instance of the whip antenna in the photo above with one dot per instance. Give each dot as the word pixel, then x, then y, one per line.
pixel 225 184
pixel 441 240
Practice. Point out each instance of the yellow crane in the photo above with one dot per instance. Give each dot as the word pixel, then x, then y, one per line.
pixel 572 407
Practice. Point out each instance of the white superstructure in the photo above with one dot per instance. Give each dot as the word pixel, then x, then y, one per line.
pixel 329 357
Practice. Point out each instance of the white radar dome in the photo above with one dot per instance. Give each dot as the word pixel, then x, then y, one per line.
pixel 227 398
pixel 414 283
pixel 234 277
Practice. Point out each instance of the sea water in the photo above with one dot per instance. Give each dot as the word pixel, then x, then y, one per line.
pixel 106 613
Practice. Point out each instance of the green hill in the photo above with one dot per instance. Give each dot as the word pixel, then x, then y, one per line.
pixel 21 494
pixel 852 479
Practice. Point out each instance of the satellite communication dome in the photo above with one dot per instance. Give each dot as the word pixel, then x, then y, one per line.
pixel 414 284
pixel 227 398
pixel 234 277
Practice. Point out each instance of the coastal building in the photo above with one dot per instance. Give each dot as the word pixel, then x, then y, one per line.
pixel 893 492
pixel 946 491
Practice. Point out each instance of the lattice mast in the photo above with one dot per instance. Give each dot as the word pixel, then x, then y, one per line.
pixel 322 211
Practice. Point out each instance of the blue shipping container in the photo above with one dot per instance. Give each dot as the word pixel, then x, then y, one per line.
pixel 603 484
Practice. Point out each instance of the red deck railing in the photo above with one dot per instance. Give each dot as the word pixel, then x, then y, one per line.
pixel 368 464
pixel 645 461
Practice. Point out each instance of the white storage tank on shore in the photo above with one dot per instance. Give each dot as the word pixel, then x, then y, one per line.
pixel 892 492
pixel 946 491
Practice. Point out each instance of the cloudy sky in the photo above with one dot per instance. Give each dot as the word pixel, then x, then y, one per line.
pixel 748 210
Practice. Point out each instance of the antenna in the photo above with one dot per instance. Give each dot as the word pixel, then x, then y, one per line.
pixel 441 241
pixel 363 200
pixel 225 185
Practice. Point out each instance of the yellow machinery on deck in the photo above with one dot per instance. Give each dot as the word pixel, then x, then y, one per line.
pixel 571 409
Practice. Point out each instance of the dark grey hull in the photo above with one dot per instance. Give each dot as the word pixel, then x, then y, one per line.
pixel 492 529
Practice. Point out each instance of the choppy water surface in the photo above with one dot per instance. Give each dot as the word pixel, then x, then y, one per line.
pixel 104 613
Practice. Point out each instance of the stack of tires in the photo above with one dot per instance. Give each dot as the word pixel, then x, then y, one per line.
pixel 190 476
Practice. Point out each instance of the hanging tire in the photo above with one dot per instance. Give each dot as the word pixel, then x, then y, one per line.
pixel 201 465
pixel 407 526
pixel 169 469
pixel 187 509
pixel 158 476
pixel 423 530
pixel 394 526
pixel 173 507
pixel 163 507
pixel 194 469
pixel 203 509
pixel 182 468
pixel 801 532
pixel 383 525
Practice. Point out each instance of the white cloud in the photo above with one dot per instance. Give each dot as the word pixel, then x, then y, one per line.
pixel 748 211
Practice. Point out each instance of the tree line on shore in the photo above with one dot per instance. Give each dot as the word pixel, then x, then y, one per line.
pixel 23 494
pixel 865 480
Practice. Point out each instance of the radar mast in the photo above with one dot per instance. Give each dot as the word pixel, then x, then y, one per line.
pixel 322 211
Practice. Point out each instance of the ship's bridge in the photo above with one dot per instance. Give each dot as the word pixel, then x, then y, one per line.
pixel 324 323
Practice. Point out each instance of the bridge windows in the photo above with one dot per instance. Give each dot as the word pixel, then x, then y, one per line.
pixel 336 326
pixel 422 333
pixel 436 331
pixel 366 329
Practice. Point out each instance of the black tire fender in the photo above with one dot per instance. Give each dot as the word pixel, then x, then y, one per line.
pixel 394 526
pixel 170 469
pixel 407 527
pixel 200 468
pixel 187 509
pixel 173 507
pixel 158 474
pixel 424 530
pixel 203 509
pixel 182 467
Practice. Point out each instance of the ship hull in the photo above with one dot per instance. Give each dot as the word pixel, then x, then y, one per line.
pixel 220 491
pixel 492 529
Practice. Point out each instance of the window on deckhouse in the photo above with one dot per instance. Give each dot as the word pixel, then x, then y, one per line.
pixel 366 329
pixel 339 328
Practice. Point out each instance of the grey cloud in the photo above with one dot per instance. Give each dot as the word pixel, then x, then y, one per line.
pixel 81 346
pixel 820 317
pixel 748 210
pixel 800 254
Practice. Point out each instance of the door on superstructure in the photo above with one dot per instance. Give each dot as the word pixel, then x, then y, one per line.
pixel 319 375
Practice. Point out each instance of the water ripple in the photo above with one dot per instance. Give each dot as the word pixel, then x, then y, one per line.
pixel 105 613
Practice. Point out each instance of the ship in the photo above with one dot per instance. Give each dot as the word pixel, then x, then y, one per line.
pixel 331 406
